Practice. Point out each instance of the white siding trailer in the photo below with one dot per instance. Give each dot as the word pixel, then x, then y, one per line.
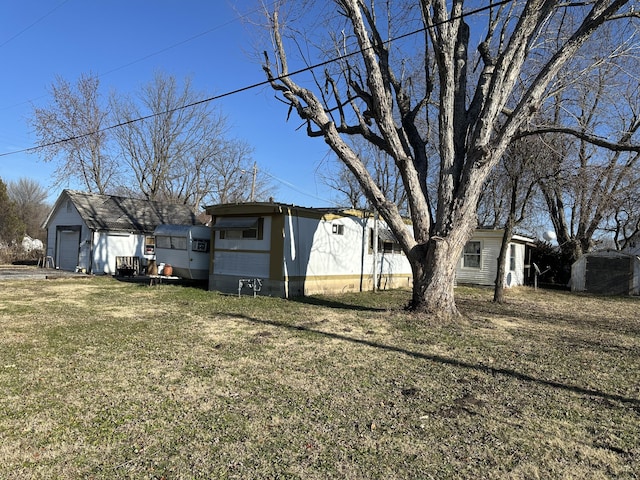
pixel 294 251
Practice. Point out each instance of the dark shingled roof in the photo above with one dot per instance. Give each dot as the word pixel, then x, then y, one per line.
pixel 108 212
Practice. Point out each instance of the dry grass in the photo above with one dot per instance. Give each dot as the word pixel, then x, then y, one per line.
pixel 102 379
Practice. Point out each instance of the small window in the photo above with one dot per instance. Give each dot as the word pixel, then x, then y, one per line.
pixel 179 243
pixel 338 229
pixel 163 241
pixel 252 233
pixel 200 245
pixel 149 245
pixel 387 243
pixel 175 243
pixel 471 255
pixel 512 258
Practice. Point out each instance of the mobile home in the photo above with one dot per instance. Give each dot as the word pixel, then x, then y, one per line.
pixel 296 251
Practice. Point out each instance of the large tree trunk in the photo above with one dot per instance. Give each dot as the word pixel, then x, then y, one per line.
pixel 434 282
pixel 435 275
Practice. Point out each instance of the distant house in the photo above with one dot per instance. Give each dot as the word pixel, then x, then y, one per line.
pixel 88 231
pixel 478 264
pixel 296 251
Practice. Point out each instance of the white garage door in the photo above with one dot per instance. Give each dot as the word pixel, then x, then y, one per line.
pixel 68 245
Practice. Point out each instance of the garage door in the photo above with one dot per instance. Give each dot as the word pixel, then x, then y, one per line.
pixel 68 246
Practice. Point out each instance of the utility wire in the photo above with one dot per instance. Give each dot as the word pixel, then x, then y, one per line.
pixel 249 87
pixel 138 60
pixel 32 24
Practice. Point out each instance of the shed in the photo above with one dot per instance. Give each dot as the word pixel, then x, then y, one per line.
pixel 607 272
pixel 88 231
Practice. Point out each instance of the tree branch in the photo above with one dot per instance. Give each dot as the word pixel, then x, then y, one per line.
pixel 587 137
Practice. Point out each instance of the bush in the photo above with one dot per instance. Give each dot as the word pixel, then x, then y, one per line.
pixel 557 265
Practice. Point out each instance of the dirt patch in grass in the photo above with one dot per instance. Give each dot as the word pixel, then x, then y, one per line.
pixel 103 379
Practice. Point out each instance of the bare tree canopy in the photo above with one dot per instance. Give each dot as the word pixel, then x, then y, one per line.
pixel 383 171
pixel 166 143
pixel 30 199
pixel 73 126
pixel 417 76
pixel 588 181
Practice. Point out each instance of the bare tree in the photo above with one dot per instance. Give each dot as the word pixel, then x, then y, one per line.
pixel 73 127
pixel 30 199
pixel 591 181
pixel 624 223
pixel 11 227
pixel 478 107
pixel 384 173
pixel 506 198
pixel 179 152
pixel 235 178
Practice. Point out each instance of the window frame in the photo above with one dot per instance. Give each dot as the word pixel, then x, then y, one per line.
pixel 468 255
pixel 149 245
pixel 513 256
pixel 254 233
pixel 384 246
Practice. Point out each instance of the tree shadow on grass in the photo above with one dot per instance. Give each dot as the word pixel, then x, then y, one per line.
pixel 450 361
pixel 329 303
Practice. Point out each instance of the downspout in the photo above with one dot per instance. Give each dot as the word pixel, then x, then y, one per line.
pixel 375 250
pixel 365 221
pixel 90 270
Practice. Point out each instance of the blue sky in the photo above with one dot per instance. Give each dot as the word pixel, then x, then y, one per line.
pixel 124 42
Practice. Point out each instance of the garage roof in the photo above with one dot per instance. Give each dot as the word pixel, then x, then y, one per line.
pixel 113 213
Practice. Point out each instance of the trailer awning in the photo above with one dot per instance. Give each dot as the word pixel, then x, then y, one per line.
pixel 237 223
pixel 386 235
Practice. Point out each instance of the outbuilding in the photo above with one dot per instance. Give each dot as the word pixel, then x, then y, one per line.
pixel 478 264
pixel 91 232
pixel 608 272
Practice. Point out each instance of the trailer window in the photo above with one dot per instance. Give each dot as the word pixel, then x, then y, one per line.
pixel 163 241
pixel 512 258
pixel 252 233
pixel 387 242
pixel 471 255
pixel 149 245
pixel 174 243
pixel 200 245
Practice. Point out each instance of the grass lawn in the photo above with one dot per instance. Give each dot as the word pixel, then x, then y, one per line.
pixel 102 379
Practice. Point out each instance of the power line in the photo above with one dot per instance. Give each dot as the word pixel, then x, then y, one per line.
pixel 32 24
pixel 138 60
pixel 251 86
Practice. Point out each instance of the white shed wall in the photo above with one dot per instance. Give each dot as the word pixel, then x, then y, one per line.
pixel 107 246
